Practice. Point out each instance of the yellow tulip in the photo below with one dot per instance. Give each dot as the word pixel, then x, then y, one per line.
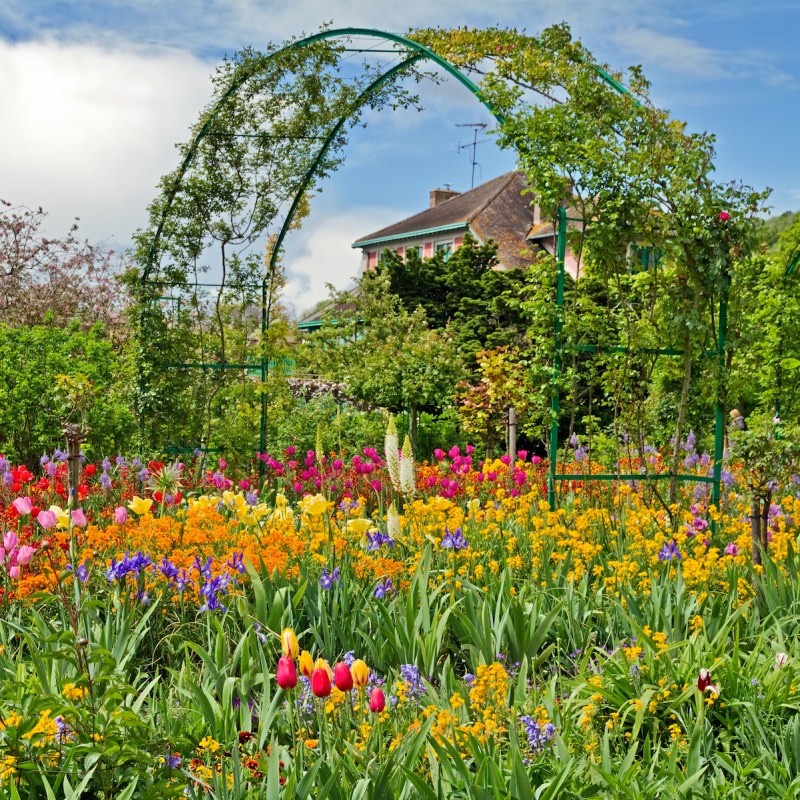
pixel 140 506
pixel 61 516
pixel 360 525
pixel 306 663
pixel 315 505
pixel 289 643
pixel 360 672
pixel 321 663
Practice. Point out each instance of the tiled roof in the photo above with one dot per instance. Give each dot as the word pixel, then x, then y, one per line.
pixel 494 210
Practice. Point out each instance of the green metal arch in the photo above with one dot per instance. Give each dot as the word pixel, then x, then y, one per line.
pixel 422 52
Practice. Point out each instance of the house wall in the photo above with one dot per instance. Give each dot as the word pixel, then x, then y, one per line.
pixel 370 255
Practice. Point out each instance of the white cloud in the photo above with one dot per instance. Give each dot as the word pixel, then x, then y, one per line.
pixel 89 130
pixel 321 254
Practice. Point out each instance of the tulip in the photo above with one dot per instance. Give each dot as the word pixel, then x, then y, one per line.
pixel 315 505
pixel 140 506
pixel 13 573
pixel 377 702
pixel 704 682
pixel 343 677
pixel 23 506
pixel 289 643
pixel 286 675
pixel 321 663
pixel 121 515
pixel 79 518
pixel 25 554
pixel 360 672
pixel 47 519
pixel 320 683
pixel 781 659
pixel 306 664
pixel 10 540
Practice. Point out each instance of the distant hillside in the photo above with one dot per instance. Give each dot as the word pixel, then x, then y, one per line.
pixel 773 227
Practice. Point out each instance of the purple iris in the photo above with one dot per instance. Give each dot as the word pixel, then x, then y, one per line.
pixel 326 580
pixel 454 539
pixel 669 551
pixel 382 589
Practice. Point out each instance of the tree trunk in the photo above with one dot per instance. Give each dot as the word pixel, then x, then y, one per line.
pixel 511 434
pixel 413 419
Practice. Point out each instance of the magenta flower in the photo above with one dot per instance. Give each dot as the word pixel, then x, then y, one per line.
pixel 731 549
pixel 724 216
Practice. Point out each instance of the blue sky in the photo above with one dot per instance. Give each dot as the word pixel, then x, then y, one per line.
pixel 97 92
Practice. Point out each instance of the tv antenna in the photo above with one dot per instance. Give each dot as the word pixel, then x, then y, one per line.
pixel 474 144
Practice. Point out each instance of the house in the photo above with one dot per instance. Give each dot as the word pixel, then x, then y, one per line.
pixel 498 210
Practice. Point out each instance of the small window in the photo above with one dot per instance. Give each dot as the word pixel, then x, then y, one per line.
pixel 445 248
pixel 644 257
pixel 418 251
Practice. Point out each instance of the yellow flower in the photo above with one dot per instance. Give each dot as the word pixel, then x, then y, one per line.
pixel 289 643
pixel 360 672
pixel 72 692
pixel 140 506
pixel 314 505
pixel 321 663
pixel 61 516
pixel 306 663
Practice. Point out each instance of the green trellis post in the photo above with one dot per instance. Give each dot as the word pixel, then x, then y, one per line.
pixel 553 476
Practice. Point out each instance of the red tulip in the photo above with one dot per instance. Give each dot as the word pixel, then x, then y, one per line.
pixel 286 675
pixel 377 702
pixel 343 677
pixel 704 682
pixel 320 683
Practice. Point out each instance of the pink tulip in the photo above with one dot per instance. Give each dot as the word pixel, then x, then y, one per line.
pixel 343 677
pixel 23 505
pixel 79 518
pixel 13 573
pixel 377 701
pixel 286 674
pixel 47 519
pixel 24 555
pixel 121 515
pixel 10 540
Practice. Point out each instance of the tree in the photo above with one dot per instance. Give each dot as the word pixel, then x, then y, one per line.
pixel 386 355
pixel 64 277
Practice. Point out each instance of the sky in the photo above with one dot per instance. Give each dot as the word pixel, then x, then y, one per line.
pixel 97 93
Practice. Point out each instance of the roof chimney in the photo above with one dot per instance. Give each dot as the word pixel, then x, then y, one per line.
pixel 439 196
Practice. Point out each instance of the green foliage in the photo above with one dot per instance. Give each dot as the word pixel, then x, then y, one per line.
pixel 34 362
pixel 385 355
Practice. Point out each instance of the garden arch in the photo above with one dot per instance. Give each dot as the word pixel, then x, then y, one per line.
pixel 415 53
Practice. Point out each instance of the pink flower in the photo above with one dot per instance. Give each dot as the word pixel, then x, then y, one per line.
pixel 121 515
pixel 731 549
pixel 23 505
pixel 286 675
pixel 13 573
pixel 724 216
pixel 10 540
pixel 453 451
pixel 377 701
pixel 79 518
pixel 47 519
pixel 24 555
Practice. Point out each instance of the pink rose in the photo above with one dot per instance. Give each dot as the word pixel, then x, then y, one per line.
pixel 724 216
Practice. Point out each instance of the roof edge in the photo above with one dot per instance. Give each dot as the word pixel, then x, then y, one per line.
pixel 411 234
